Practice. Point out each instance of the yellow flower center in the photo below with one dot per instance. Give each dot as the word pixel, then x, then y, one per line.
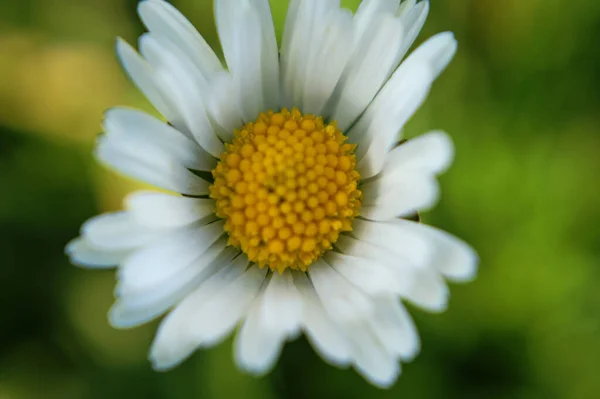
pixel 287 187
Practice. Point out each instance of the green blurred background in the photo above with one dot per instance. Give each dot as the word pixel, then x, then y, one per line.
pixel 522 102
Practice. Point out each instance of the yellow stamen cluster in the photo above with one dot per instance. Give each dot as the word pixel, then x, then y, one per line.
pixel 287 187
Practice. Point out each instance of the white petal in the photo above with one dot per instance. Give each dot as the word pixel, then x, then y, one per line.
pixel 137 125
pixel 405 274
pixel 422 245
pixel 452 257
pixel 81 253
pixel 322 332
pixel 117 232
pixel 173 252
pixel 401 195
pixel 305 19
pixel 245 68
pixel 395 328
pixel 371 64
pixel 437 52
pixel 413 17
pixel 371 277
pixel 269 55
pixel 431 152
pixel 428 291
pixel 382 40
pixel 218 318
pixel 174 339
pixel 145 161
pixel 222 107
pixel 372 360
pixel 162 19
pixel 165 210
pixel 288 31
pixel 275 315
pixel 256 349
pixel 369 12
pixel 377 130
pixel 251 53
pixel 208 314
pixel 184 86
pixel 282 308
pixel 406 6
pixel 415 282
pixel 354 247
pixel 413 248
pixel 144 77
pixel 331 48
pixel 407 182
pixel 143 302
pixel 340 298
pixel 286 51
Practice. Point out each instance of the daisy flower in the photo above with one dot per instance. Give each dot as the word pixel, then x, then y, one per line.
pixel 286 198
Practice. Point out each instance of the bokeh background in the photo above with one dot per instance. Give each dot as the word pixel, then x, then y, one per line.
pixel 522 102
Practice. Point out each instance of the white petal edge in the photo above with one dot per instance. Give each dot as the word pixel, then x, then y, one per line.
pixel 401 195
pixel 144 302
pixel 185 87
pixel 165 210
pixel 371 64
pixel 269 55
pixel 371 277
pixel 437 52
pixel 371 358
pixel 169 254
pixel 409 278
pixel 421 286
pixel 135 124
pixel 378 129
pixel 304 20
pixel 413 16
pixel 339 297
pixel 275 316
pixel 238 24
pixel 454 258
pixel 431 152
pixel 117 231
pixel 223 109
pixel 370 11
pixel 395 328
pixel 322 332
pixel 332 45
pixel 208 314
pixel 144 161
pixel 174 340
pixel 424 246
pixel 407 181
pixel 408 257
pixel 82 253
pixel 144 77
pixel 163 19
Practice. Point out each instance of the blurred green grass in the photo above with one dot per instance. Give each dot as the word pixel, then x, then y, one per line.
pixel 521 102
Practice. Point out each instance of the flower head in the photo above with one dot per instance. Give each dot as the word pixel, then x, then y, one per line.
pixel 289 188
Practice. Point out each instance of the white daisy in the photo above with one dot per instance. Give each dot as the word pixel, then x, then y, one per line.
pixel 292 190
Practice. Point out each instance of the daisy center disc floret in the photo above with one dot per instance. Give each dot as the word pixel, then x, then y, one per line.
pixel 287 187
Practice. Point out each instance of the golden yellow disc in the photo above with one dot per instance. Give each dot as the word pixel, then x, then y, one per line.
pixel 287 187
